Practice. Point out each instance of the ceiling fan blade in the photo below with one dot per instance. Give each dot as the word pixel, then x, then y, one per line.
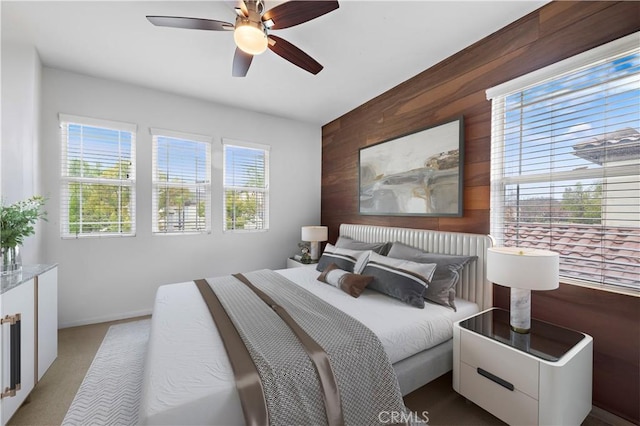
pixel 238 5
pixel 294 55
pixel 241 63
pixel 190 23
pixel 296 12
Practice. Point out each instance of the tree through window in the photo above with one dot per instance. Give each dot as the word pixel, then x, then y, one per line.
pixel 246 186
pixel 181 183
pixel 97 194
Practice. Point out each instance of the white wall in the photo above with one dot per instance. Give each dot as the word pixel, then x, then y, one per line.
pixel 21 72
pixel 108 278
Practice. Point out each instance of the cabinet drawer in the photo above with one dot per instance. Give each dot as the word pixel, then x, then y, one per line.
pixel 513 407
pixel 507 364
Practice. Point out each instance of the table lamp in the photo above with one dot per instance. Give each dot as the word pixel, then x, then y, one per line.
pixel 522 269
pixel 315 234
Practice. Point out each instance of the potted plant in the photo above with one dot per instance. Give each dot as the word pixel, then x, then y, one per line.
pixel 17 222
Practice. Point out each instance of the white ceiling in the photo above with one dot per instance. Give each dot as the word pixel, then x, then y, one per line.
pixel 366 47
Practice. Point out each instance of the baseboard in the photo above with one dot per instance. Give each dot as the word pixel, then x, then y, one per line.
pixel 608 417
pixel 105 318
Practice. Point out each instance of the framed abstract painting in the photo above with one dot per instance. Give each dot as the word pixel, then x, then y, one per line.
pixel 416 174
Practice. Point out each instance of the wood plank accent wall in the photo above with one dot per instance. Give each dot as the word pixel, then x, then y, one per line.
pixel 456 86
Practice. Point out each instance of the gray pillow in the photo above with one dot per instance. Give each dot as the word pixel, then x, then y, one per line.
pixel 350 243
pixel 401 279
pixel 442 289
pixel 352 284
pixel 345 259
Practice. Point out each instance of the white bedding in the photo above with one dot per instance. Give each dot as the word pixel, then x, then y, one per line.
pixel 188 378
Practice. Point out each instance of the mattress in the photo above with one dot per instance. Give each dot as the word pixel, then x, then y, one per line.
pixel 188 378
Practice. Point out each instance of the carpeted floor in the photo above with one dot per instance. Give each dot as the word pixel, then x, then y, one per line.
pixel 77 348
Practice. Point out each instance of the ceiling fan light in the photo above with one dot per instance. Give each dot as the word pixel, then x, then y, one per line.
pixel 250 39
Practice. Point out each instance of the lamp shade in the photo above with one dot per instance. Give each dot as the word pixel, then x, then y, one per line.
pixel 525 268
pixel 315 233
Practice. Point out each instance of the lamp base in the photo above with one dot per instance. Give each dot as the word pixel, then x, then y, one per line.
pixel 520 318
pixel 315 248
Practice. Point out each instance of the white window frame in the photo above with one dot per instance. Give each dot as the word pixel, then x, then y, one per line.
pixel 66 119
pixel 497 95
pixel 203 186
pixel 266 190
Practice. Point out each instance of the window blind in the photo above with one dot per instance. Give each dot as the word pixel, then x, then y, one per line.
pixel 565 165
pixel 246 186
pixel 181 182
pixel 97 194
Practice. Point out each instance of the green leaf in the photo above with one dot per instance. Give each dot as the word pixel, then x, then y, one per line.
pixel 17 220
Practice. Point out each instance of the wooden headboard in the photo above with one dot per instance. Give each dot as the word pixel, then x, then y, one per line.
pixel 473 285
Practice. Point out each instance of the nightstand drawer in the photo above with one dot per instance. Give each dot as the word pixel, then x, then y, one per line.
pixel 500 362
pixel 513 407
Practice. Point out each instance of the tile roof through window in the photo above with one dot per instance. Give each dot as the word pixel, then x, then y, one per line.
pixel 615 146
pixel 582 250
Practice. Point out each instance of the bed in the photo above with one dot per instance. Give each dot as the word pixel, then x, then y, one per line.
pixel 188 379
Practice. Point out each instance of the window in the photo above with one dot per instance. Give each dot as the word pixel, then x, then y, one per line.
pixel 181 183
pixel 246 186
pixel 97 195
pixel 565 164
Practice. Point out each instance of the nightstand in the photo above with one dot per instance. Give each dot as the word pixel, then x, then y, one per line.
pixel 543 377
pixel 292 263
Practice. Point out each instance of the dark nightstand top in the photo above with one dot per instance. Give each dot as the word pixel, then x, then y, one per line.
pixel 313 262
pixel 545 340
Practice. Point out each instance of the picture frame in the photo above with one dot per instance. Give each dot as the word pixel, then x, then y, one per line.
pixel 415 174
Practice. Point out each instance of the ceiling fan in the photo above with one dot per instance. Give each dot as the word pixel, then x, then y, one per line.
pixel 252 27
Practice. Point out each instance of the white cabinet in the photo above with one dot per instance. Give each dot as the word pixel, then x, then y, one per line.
pixel 31 296
pixel 293 263
pixel 540 378
pixel 47 291
pixel 17 301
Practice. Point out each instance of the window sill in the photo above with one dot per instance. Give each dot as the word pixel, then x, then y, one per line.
pixel 173 234
pixel 603 287
pixel 85 236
